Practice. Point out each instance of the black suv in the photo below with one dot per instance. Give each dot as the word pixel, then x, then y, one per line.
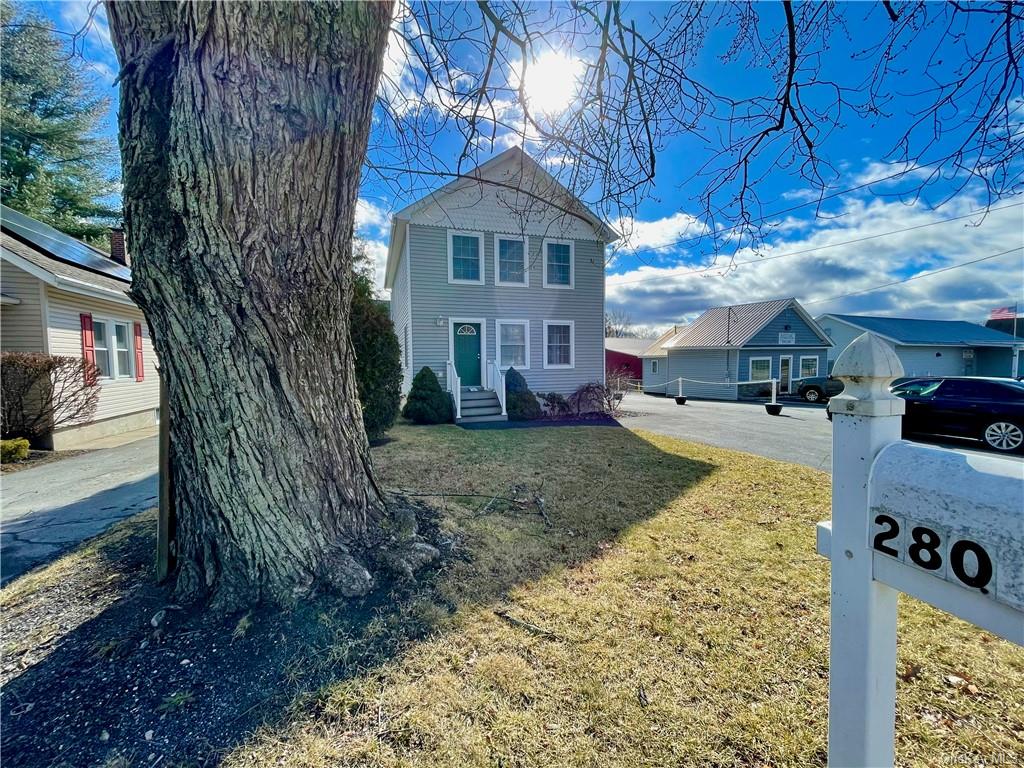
pixel 990 410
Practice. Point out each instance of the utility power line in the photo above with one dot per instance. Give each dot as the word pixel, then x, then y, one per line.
pixel 913 277
pixel 762 259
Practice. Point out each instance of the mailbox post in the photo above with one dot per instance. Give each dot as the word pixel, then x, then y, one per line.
pixel 862 650
pixel 942 525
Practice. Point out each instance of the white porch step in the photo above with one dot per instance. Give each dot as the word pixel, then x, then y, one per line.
pixel 480 405
pixel 478 419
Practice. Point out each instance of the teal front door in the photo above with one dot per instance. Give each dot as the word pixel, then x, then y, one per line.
pixel 467 353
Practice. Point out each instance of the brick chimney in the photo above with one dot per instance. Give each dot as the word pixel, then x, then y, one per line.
pixel 118 251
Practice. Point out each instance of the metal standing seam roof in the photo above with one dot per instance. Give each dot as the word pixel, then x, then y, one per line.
pixel 626 345
pixel 730 326
pixel 929 332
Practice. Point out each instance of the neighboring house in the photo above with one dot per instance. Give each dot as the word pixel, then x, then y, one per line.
pixel 654 360
pixel 727 346
pixel 501 267
pixel 622 356
pixel 63 297
pixel 933 347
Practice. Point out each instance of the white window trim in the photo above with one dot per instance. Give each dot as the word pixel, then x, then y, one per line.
pixel 526 261
pixel 572 267
pixel 451 253
pixel 497 343
pixel 572 344
pixel 109 323
pixel 817 365
pixel 454 321
pixel 750 367
pixel 789 383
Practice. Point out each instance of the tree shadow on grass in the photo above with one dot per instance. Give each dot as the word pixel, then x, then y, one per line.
pixel 108 684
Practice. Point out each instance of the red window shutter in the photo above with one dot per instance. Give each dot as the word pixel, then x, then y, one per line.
pixel 88 346
pixel 139 372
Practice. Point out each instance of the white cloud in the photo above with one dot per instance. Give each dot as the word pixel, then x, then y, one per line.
pixel 378 252
pixel 660 235
pixel 88 17
pixel 660 296
pixel 371 218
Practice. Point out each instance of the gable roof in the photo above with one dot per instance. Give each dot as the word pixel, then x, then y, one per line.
pixel 734 326
pixel 903 330
pixel 572 206
pixel 657 349
pixel 51 256
pixel 626 345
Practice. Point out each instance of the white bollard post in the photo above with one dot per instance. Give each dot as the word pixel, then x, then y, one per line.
pixel 862 652
pixel 680 383
pixel 773 391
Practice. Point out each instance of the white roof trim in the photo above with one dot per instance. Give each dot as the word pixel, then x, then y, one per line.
pixel 68 284
pixel 478 176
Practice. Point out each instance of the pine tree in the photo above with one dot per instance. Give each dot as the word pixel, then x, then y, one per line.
pixel 54 167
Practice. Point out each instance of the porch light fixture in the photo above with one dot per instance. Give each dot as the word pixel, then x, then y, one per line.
pixel 439 321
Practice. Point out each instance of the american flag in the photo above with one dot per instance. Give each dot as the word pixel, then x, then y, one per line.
pixel 1003 313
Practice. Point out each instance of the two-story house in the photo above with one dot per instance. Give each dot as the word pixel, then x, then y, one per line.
pixel 501 267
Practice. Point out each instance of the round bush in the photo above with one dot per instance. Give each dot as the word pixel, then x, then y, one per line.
pixel 514 382
pixel 522 406
pixel 427 403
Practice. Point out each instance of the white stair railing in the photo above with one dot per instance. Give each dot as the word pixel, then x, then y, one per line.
pixel 496 382
pixel 451 378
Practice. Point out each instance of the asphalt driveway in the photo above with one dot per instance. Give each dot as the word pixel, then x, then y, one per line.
pixel 48 509
pixel 801 434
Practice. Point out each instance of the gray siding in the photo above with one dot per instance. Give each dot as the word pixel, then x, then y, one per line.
pixel 21 325
pixel 706 365
pixel 652 381
pixel 932 361
pixel 434 297
pixel 993 361
pixel 769 335
pixel 842 334
pixel 401 318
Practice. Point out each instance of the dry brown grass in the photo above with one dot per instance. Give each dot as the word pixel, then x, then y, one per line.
pixel 686 616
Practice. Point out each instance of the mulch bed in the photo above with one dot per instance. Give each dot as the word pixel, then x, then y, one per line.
pixel 38 458
pixel 94 674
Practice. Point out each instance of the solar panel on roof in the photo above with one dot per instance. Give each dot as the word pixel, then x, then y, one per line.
pixel 60 246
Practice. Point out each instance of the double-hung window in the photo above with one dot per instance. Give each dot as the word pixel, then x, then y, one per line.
pixel 513 344
pixel 112 346
pixel 654 366
pixel 559 344
pixel 559 267
pixel 466 257
pixel 510 266
pixel 760 369
pixel 808 366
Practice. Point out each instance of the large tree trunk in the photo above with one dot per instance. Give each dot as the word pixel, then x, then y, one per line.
pixel 243 131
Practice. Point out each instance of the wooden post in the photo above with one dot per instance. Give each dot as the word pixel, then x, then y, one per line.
pixel 862 650
pixel 165 516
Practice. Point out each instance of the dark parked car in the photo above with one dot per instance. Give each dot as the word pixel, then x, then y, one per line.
pixel 819 388
pixel 990 410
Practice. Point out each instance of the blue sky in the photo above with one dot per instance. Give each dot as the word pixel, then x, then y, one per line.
pixel 809 254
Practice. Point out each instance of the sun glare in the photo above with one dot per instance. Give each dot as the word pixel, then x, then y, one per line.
pixel 552 81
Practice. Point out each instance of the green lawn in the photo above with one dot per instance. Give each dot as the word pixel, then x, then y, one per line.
pixel 671 610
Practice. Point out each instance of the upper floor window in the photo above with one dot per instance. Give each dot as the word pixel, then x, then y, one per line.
pixel 510 266
pixel 466 257
pixel 559 268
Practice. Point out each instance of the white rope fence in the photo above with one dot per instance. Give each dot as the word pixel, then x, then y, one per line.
pixel 679 384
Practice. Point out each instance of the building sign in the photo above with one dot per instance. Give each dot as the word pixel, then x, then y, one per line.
pixel 787 338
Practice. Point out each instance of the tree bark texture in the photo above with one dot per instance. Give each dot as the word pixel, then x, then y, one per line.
pixel 243 131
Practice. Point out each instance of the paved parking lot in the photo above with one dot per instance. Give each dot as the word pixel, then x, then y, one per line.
pixel 801 434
